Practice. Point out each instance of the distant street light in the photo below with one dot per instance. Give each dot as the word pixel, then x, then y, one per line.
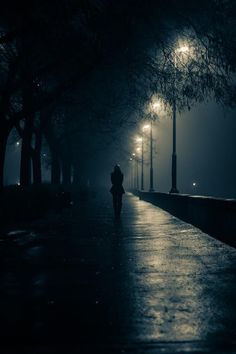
pixel 149 127
pixel 181 50
pixel 131 174
pixel 155 107
pixel 151 189
pixel 17 143
pixel 142 177
pixel 145 127
pixel 136 172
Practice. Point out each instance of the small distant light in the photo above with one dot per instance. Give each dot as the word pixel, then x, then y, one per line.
pixel 44 155
pixel 133 154
pixel 138 149
pixel 131 159
pixel 18 183
pixel 194 184
pixel 17 143
pixel 139 140
pixel 147 126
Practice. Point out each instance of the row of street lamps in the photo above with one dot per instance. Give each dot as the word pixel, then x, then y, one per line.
pixel 184 49
pixel 136 159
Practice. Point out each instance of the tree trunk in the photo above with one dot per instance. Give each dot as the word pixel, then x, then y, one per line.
pixel 36 159
pixel 3 145
pixel 66 171
pixel 55 170
pixel 25 166
pixel 54 147
pixel 27 97
pixel 76 176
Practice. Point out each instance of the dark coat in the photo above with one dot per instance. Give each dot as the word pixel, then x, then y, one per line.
pixel 117 180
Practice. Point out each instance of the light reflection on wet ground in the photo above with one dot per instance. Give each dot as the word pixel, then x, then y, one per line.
pixel 147 284
pixel 182 280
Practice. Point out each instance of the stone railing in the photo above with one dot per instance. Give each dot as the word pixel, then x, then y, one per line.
pixel 214 216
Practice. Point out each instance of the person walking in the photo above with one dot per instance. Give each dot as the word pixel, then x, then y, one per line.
pixel 117 190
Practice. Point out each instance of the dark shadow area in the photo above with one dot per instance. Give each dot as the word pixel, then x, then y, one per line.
pixel 27 203
pixel 64 283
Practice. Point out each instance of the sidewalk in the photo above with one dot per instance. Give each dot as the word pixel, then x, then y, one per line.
pixel 81 282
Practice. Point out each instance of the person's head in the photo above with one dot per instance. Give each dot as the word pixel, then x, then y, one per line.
pixel 117 168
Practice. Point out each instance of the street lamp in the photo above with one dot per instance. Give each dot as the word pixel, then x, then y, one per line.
pixel 181 50
pixel 151 189
pixel 145 127
pixel 154 110
pixel 135 169
pixel 149 127
pixel 131 173
pixel 136 161
pixel 140 149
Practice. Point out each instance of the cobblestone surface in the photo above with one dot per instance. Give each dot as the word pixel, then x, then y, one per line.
pixel 81 282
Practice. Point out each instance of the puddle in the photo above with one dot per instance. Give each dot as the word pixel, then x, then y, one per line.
pixel 18 233
pixel 15 233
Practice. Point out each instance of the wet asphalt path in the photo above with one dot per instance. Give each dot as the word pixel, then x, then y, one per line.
pixel 80 282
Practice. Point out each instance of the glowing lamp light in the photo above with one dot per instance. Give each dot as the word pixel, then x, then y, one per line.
pixel 133 154
pixel 156 105
pixel 17 143
pixel 183 49
pixel 194 184
pixel 138 149
pixel 139 140
pixel 147 126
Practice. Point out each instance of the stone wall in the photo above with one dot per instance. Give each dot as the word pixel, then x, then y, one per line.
pixel 214 216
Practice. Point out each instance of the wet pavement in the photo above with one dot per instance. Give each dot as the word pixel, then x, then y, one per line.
pixel 81 282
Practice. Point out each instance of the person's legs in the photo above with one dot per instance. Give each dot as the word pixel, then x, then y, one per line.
pixel 119 204
pixel 115 203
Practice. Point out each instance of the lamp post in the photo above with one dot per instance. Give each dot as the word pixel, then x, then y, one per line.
pixel 155 106
pixel 137 161
pixel 142 181
pixel 140 149
pixel 174 155
pixel 151 189
pixel 130 174
pixel 174 189
pixel 137 174
pixel 135 171
pixel 145 127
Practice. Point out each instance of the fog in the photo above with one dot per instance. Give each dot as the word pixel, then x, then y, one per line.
pixel 206 148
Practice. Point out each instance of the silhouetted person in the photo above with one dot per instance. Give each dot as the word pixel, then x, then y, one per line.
pixel 117 189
